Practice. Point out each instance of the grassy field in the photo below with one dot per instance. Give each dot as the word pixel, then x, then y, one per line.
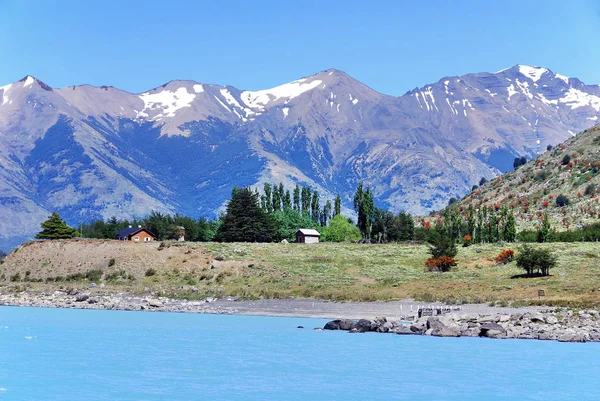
pixel 325 271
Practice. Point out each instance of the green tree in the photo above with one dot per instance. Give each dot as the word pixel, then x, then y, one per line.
pixel 287 201
pixel 56 228
pixel 535 260
pixel 326 214
pixel 315 208
pixel 364 205
pixel 340 230
pixel 543 230
pixel 276 202
pixel 337 208
pixel 510 228
pixel 287 222
pixel 297 198
pixel 245 221
pixel 305 200
pixel 268 197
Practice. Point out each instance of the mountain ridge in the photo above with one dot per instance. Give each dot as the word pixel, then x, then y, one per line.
pixel 94 152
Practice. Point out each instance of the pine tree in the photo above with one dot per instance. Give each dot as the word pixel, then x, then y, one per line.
pixel 244 220
pixel 337 208
pixel 281 196
pixel 56 228
pixel 471 220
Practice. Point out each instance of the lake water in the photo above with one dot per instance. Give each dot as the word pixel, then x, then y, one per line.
pixel 58 354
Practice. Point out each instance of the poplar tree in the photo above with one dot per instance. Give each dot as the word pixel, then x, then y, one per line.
pixel 305 200
pixel 337 208
pixel 276 198
pixel 315 208
pixel 510 228
pixel 326 214
pixel 364 205
pixel 297 198
pixel 287 201
pixel 268 196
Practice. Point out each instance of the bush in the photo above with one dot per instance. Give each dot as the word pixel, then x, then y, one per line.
pixel 566 160
pixel 505 257
pixel 442 263
pixel 150 272
pixel 111 262
pixel 535 260
pixel 590 190
pixel 562 200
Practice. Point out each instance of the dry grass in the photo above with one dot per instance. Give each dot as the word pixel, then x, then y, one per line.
pixel 326 271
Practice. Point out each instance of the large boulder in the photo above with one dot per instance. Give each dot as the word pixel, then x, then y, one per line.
pixel 403 329
pixel 339 324
pixel 572 337
pixel 420 326
pixel 446 331
pixel 492 330
pixel 363 325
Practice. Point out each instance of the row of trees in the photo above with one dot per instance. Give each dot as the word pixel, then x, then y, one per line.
pixel 484 225
pixel 274 215
pixel 302 200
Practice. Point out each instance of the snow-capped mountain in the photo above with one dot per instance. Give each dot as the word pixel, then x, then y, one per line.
pixel 96 152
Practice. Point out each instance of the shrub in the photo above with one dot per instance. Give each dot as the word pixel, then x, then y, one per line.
pixel 535 260
pixel 590 190
pixel 504 257
pixel 111 262
pixel 467 240
pixel 562 200
pixel 566 160
pixel 442 263
pixel 93 275
pixel 150 272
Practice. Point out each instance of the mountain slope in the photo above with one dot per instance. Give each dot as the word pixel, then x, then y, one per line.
pixel 571 169
pixel 96 152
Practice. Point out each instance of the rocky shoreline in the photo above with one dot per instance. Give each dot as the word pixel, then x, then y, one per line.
pixel 473 321
pixel 565 326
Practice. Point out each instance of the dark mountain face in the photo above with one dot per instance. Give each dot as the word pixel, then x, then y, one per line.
pixel 91 152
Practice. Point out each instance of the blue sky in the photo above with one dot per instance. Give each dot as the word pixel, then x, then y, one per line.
pixel 392 46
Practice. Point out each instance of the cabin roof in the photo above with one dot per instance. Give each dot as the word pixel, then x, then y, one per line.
pixel 308 232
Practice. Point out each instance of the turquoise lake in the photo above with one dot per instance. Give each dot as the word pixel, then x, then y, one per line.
pixel 60 354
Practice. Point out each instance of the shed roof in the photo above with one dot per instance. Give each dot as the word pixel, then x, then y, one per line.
pixel 308 231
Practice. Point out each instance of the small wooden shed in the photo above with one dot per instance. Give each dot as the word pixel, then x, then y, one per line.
pixel 307 236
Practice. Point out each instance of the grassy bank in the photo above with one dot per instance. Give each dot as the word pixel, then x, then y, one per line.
pixel 325 271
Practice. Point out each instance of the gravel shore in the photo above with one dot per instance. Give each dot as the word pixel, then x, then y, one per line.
pixel 397 310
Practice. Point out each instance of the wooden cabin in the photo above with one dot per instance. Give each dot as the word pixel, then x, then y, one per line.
pixel 307 236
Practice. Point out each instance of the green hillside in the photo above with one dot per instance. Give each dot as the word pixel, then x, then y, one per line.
pixel 563 183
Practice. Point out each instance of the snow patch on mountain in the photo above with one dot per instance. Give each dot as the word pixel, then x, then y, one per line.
pixel 28 81
pixel 258 100
pixel 198 88
pixel 166 102
pixel 534 73
pixel 5 90
pixel 562 77
pixel 576 98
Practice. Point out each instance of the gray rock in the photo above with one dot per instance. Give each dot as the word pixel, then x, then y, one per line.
pixel 446 331
pixel 547 335
pixel 379 320
pixel 82 298
pixel 492 330
pixel 571 337
pixel 551 320
pixel 363 325
pixel 339 324
pixel 402 329
pixel 93 285
pixel 155 303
